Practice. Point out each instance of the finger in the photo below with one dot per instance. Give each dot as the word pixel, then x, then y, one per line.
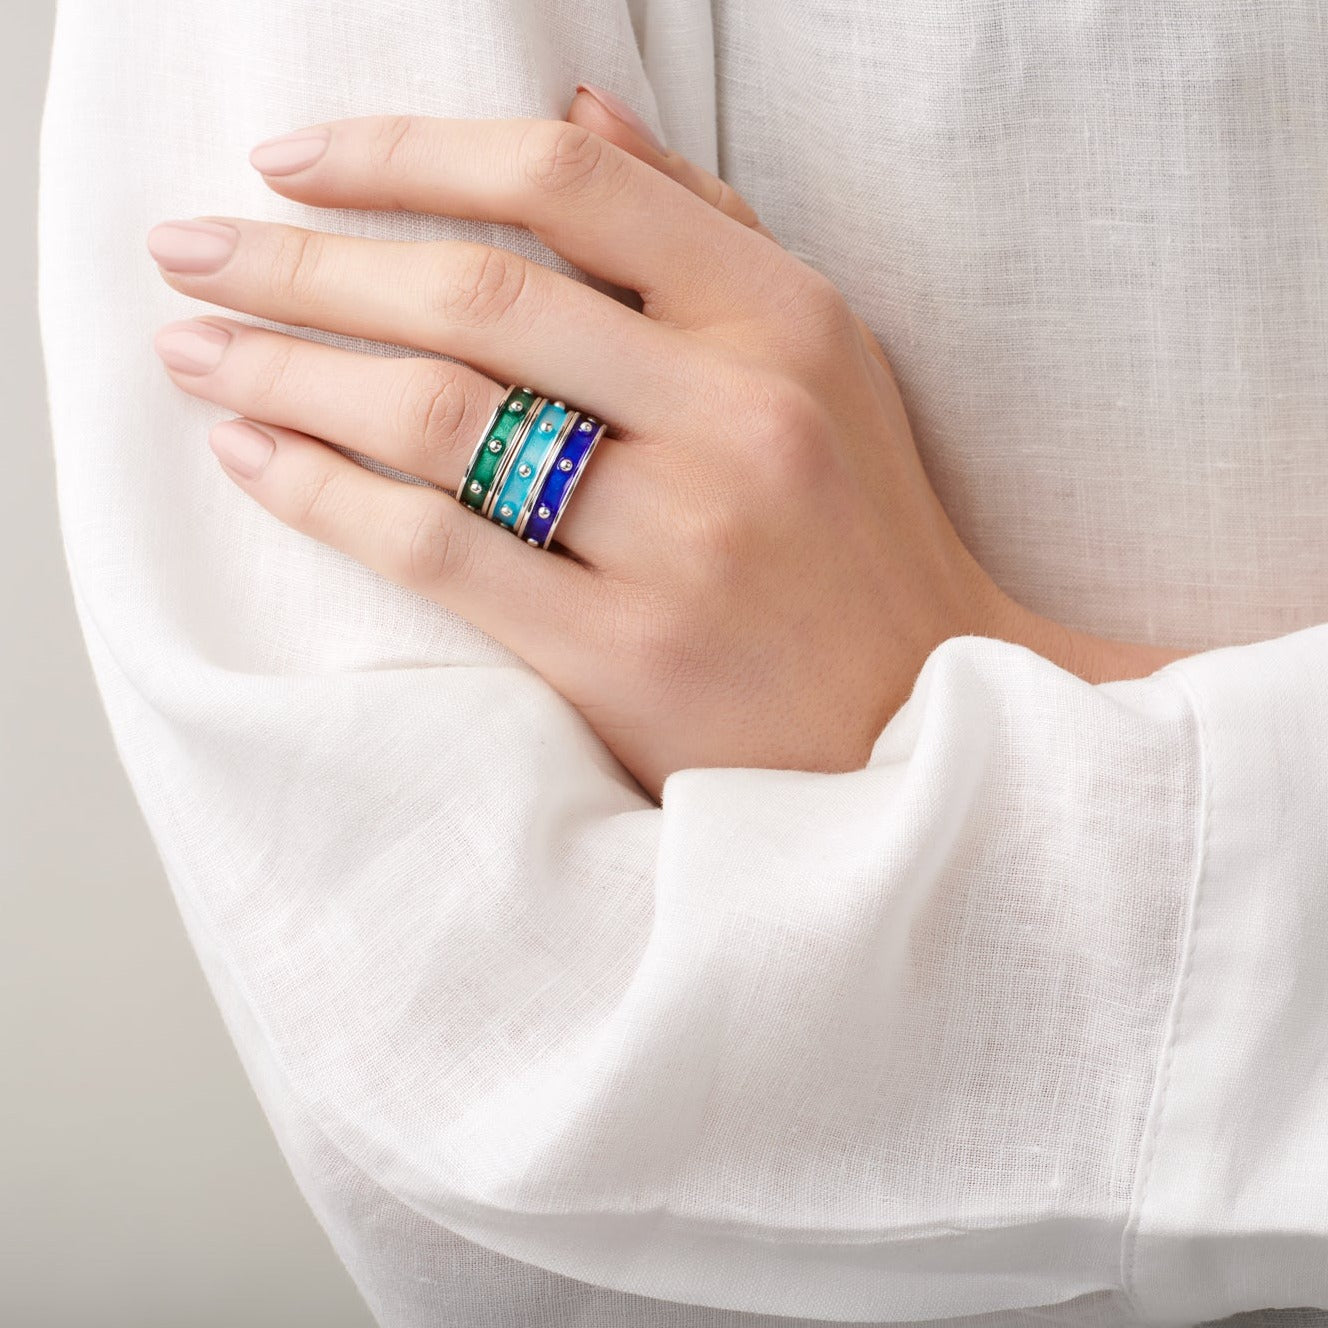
pixel 527 598
pixel 606 115
pixel 598 206
pixel 420 416
pixel 509 317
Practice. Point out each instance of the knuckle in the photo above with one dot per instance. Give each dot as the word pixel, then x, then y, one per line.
pixel 435 407
pixel 272 375
pixel 393 142
pixel 312 501
pixel 790 433
pixel 779 406
pixel 435 548
pixel 823 305
pixel 483 287
pixel 298 266
pixel 557 157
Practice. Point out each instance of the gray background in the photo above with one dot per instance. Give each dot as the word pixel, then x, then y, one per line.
pixel 140 1184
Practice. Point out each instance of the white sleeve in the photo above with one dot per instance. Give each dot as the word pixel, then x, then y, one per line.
pixel 1031 1010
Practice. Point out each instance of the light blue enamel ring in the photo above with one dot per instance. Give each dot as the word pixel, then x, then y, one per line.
pixel 516 488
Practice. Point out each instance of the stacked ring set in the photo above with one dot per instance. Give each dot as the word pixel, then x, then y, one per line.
pixel 527 462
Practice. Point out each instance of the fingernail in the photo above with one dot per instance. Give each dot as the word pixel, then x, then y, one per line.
pixel 191 346
pixel 290 152
pixel 620 110
pixel 242 447
pixel 192 246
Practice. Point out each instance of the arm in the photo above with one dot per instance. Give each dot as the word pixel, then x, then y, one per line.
pixel 829 1004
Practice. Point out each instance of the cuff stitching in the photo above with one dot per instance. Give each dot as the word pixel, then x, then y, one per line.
pixel 1162 1080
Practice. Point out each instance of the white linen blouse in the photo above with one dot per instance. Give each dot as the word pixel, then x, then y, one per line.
pixel 1026 1022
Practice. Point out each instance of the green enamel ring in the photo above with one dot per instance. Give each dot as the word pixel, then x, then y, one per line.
pixel 495 446
pixel 507 462
pixel 528 462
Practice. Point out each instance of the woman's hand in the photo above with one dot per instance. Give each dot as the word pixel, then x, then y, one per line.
pixel 754 566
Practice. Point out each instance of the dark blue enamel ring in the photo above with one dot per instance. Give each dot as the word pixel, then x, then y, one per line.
pixel 560 479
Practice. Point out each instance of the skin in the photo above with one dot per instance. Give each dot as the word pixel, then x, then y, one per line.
pixel 754 567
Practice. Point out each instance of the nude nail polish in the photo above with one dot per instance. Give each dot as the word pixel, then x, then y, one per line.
pixel 620 110
pixel 242 446
pixel 191 347
pixel 290 152
pixel 192 246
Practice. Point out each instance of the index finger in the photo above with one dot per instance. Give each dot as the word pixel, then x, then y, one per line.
pixel 600 207
pixel 589 110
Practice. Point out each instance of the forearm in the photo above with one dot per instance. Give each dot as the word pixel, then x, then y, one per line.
pixel 1095 659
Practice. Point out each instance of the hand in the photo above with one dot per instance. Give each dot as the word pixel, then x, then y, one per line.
pixel 754 566
pixel 1093 658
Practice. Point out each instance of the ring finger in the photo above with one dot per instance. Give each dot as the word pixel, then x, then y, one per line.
pixel 420 416
pixel 551 611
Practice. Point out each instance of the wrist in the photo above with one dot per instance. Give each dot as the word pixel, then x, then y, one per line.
pixel 1095 659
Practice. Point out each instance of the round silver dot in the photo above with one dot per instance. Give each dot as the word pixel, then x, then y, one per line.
pixel 562 405
pixel 517 407
pixel 523 470
pixel 565 465
pixel 546 427
pixel 495 445
pixel 544 513
pixel 586 426
pixel 505 510
pixel 476 486
pixel 535 542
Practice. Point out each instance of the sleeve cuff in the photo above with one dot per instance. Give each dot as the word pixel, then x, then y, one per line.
pixel 1231 1203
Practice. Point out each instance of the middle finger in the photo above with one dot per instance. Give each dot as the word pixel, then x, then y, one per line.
pixel 506 315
